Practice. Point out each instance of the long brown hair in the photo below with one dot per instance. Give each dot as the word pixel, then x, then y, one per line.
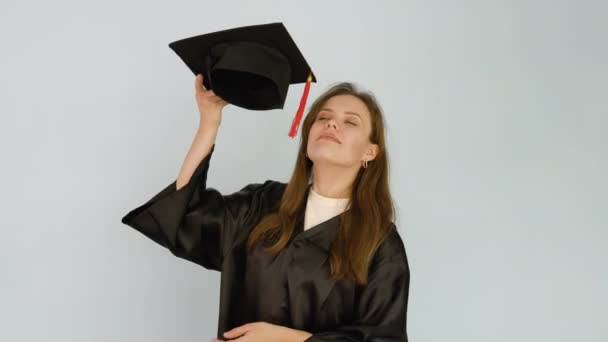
pixel 371 213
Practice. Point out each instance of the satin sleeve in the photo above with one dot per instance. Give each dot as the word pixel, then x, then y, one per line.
pixel 196 222
pixel 381 309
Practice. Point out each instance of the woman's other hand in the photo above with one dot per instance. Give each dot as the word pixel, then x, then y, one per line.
pixel 264 332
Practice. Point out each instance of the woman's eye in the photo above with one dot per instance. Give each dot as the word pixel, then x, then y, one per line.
pixel 325 118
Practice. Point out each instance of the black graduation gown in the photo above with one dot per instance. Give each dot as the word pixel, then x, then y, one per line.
pixel 293 288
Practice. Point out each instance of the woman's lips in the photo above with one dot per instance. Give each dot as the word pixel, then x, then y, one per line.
pixel 329 138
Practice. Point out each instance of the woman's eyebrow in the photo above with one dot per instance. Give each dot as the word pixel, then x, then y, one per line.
pixel 347 112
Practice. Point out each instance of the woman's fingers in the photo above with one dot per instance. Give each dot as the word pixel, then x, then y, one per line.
pixel 201 90
pixel 202 94
pixel 198 84
pixel 210 96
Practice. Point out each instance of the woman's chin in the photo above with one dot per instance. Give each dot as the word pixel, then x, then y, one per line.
pixel 326 159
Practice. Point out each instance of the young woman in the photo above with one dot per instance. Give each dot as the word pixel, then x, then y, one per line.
pixel 316 259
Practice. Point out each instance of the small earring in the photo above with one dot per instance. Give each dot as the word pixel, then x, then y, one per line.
pixel 365 164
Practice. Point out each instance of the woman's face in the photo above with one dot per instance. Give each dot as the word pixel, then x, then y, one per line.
pixel 346 118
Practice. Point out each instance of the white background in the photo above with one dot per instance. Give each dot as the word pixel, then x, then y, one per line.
pixel 496 114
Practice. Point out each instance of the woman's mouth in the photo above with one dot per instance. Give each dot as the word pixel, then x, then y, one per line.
pixel 329 137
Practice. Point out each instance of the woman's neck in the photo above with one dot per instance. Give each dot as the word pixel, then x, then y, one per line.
pixel 333 181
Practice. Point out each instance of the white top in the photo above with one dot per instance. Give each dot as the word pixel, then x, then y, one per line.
pixel 320 208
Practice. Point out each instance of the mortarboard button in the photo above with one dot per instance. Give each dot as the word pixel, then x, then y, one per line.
pixel 250 67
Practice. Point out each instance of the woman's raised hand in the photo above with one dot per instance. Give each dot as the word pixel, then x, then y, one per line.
pixel 209 105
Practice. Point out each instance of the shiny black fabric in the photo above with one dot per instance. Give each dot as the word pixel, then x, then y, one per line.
pixel 292 288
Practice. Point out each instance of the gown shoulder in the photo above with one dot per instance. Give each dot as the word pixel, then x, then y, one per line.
pixel 392 248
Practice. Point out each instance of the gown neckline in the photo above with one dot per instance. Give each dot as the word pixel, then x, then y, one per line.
pixel 328 226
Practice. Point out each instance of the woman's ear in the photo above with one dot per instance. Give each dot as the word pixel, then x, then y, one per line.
pixel 371 152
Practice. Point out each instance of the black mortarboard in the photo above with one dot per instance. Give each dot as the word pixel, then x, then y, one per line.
pixel 250 66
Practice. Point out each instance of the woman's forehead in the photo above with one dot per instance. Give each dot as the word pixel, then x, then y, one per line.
pixel 347 104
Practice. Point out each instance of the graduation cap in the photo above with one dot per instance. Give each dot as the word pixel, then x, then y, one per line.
pixel 250 66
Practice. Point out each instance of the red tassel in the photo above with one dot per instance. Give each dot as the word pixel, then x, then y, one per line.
pixel 296 121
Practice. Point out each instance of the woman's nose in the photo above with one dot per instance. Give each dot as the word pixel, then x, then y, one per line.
pixel 330 123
